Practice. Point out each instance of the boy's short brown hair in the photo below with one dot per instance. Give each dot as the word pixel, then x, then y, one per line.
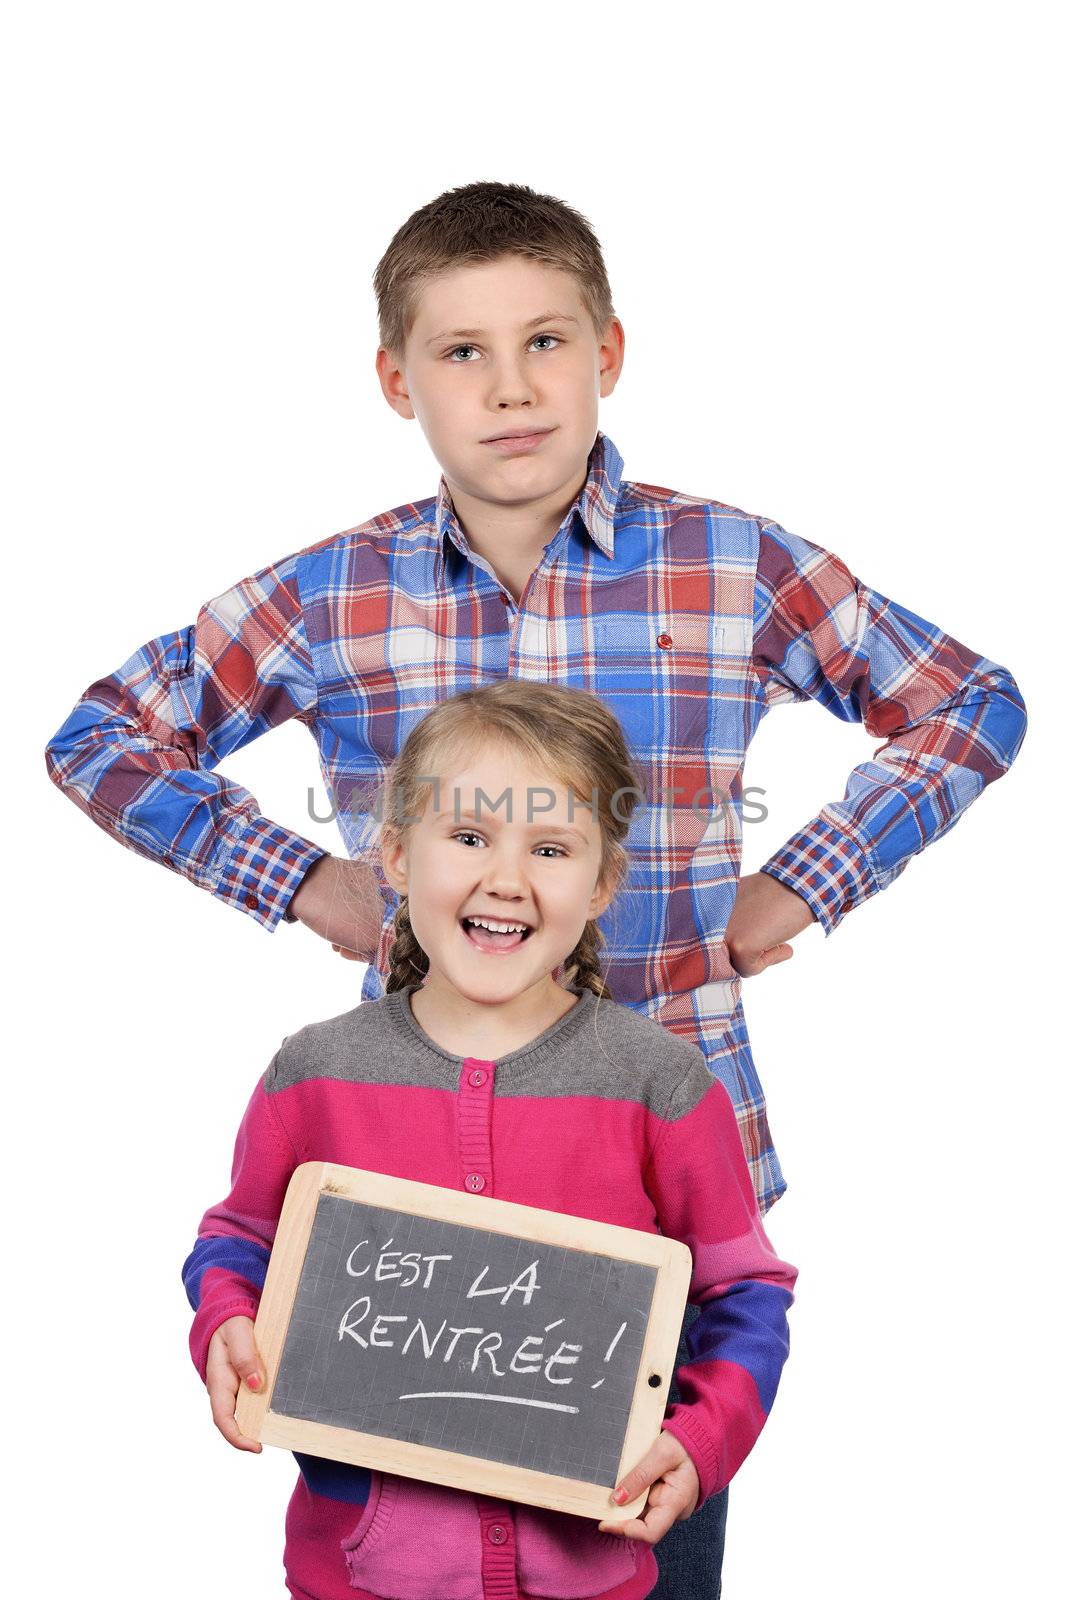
pixel 478 223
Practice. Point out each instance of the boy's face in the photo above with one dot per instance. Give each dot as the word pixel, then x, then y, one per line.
pixel 482 358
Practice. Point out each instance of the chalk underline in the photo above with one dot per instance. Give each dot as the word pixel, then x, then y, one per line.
pixel 504 1399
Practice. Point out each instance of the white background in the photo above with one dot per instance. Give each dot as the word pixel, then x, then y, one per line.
pixel 832 237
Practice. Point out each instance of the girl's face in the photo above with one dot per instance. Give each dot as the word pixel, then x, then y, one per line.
pixel 504 843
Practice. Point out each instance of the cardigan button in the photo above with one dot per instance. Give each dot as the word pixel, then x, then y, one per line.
pixel 497 1534
pixel 476 1078
pixel 474 1182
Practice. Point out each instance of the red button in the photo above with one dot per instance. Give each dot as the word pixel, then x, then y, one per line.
pixel 251 902
pixel 497 1534
pixel 664 641
pixel 474 1182
pixel 476 1078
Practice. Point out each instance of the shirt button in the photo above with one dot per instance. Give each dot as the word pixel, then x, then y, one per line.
pixel 497 1534
pixel 664 641
pixel 251 902
pixel 476 1078
pixel 474 1182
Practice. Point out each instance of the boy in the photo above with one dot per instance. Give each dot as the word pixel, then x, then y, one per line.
pixel 536 559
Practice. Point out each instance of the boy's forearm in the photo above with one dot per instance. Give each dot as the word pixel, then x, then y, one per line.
pixel 138 752
pixel 140 784
pixel 951 720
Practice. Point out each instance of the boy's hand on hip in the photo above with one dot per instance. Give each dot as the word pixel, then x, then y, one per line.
pixel 341 901
pixel 232 1358
pixel 669 1468
pixel 766 913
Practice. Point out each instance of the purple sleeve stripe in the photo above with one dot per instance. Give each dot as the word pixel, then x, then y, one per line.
pixel 335 1480
pixel 747 1327
pixel 238 1257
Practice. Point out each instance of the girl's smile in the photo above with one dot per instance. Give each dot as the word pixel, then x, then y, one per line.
pixel 494 936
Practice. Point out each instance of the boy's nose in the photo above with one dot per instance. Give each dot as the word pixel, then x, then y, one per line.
pixel 511 386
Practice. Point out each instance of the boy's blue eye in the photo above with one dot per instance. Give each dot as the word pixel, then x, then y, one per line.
pixel 458 347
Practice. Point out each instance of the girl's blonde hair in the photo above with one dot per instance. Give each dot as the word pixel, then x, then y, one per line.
pixel 572 735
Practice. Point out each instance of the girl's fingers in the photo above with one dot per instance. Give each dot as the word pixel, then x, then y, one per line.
pixel 222 1392
pixel 646 1529
pixel 243 1356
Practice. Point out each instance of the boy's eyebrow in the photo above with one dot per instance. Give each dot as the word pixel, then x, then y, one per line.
pixel 477 333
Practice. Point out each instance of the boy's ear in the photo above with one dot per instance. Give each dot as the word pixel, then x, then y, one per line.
pixel 394 383
pixel 612 350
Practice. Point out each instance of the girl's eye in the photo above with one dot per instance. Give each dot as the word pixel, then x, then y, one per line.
pixel 468 834
pixel 456 349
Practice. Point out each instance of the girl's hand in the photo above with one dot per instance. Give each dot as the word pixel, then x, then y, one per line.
pixel 766 913
pixel 232 1357
pixel 669 1468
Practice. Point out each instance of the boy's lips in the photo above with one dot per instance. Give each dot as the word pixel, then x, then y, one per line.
pixel 511 444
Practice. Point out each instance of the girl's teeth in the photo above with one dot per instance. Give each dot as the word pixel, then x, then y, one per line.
pixel 485 940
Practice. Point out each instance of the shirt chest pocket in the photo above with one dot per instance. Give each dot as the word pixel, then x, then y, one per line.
pixel 673 680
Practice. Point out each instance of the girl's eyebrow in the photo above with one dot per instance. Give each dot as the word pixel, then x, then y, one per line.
pixel 479 333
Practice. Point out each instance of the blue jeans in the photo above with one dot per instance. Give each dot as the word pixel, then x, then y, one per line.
pixel 690 1553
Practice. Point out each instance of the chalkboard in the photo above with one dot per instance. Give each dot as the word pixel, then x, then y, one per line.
pixel 465 1340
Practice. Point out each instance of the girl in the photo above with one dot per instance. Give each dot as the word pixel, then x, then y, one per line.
pixel 497 1061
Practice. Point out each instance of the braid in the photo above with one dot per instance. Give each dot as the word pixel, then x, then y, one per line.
pixel 582 968
pixel 407 959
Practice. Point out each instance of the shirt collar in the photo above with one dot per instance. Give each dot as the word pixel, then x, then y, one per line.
pixel 595 505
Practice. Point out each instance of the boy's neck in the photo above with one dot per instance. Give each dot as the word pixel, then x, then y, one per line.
pixel 513 538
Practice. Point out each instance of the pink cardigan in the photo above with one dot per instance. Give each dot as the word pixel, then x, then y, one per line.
pixel 605 1115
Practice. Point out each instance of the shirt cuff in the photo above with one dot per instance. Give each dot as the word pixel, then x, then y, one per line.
pixel 687 1428
pixel 263 870
pixel 827 867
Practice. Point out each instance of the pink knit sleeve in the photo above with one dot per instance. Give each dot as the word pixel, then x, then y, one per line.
pixel 699 1180
pixel 224 1273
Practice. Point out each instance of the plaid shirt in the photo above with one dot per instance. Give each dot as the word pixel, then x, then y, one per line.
pixel 690 618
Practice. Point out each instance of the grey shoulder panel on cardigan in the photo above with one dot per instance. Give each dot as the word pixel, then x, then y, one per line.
pixel 599 1049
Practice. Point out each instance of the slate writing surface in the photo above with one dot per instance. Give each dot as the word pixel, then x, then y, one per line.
pixel 465 1340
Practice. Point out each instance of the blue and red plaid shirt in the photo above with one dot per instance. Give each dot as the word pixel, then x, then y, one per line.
pixel 690 618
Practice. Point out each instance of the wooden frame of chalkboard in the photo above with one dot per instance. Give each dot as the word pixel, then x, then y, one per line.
pixel 639 1413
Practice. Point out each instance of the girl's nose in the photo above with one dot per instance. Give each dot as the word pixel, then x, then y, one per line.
pixel 504 874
